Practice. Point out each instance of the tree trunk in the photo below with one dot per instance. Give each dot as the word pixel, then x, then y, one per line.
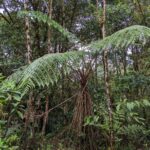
pixel 98 17
pixel 28 38
pixel 107 83
pixel 29 117
pixel 49 50
pixel 83 108
pixel 45 119
pixel 49 30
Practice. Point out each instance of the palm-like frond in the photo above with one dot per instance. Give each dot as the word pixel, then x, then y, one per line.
pixel 50 22
pixel 47 69
pixel 124 38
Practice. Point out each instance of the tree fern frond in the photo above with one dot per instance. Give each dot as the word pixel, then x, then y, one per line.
pixel 133 129
pixel 47 69
pixel 50 22
pixel 16 76
pixel 123 38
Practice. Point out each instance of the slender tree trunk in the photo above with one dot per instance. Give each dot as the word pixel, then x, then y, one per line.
pixel 65 106
pixel 98 17
pixel 46 115
pixel 104 19
pixel 30 107
pixel 124 62
pixel 49 30
pixel 63 9
pixel 38 50
pixel 74 10
pixel 49 50
pixel 106 79
pixel 29 56
pixel 96 57
pixel 28 38
pixel 139 9
pixel 63 25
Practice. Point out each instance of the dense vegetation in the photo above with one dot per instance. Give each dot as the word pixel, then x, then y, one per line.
pixel 74 75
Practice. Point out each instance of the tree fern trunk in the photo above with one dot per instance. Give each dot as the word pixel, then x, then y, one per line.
pixel 83 108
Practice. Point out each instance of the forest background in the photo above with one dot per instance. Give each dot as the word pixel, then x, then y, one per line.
pixel 74 74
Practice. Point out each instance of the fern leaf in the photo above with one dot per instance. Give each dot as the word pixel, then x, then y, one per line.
pixel 47 70
pixel 123 38
pixel 50 22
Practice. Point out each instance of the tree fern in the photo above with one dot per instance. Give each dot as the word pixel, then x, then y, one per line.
pixel 124 38
pixel 47 69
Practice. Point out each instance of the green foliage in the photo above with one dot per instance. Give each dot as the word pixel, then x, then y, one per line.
pixel 127 122
pixel 9 98
pixel 56 77
pixel 50 22
pixel 134 35
pixel 3 145
pixel 7 143
pixel 123 17
pixel 9 95
pixel 47 69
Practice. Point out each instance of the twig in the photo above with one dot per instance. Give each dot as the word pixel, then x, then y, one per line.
pixel 8 13
pixel 5 18
pixel 41 115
